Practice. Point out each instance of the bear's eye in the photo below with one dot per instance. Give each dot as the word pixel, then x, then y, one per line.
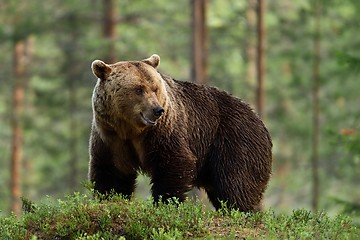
pixel 139 90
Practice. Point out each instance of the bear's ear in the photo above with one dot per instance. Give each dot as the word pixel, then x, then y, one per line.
pixel 153 61
pixel 100 69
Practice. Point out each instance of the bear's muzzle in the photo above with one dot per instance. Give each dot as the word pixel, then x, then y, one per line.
pixel 158 111
pixel 150 118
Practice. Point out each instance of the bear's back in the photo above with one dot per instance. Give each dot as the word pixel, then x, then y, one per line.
pixel 213 113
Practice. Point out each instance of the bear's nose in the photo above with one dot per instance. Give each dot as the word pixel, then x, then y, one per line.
pixel 158 111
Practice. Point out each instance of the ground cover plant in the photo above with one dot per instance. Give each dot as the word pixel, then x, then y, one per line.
pixel 80 216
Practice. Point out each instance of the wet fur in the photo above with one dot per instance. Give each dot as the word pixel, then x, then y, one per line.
pixel 205 138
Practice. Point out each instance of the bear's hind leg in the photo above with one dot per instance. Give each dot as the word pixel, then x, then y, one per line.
pixel 230 178
pixel 221 199
pixel 233 194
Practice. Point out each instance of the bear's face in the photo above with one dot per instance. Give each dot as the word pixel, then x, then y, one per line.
pixel 131 92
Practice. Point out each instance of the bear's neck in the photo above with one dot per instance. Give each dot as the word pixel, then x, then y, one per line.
pixel 120 130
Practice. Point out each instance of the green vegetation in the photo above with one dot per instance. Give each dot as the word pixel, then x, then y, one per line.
pixel 82 217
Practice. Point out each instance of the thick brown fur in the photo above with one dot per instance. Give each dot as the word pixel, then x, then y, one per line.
pixel 181 134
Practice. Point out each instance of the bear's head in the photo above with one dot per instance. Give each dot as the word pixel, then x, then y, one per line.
pixel 131 94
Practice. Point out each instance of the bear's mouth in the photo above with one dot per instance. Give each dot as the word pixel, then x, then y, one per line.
pixel 146 120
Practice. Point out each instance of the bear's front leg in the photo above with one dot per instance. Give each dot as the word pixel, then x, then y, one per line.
pixel 173 176
pixel 164 190
pixel 108 179
pixel 103 173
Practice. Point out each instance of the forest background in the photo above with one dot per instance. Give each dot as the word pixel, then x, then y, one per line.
pixel 310 92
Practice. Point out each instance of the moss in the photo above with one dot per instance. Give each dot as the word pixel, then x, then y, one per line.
pixel 83 217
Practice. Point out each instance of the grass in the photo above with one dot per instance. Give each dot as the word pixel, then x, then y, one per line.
pixel 82 217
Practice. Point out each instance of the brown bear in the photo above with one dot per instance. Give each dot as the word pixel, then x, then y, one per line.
pixel 179 133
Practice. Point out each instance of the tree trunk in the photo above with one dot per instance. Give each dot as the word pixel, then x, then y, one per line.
pixel 71 73
pixel 73 126
pixel 109 29
pixel 316 108
pixel 199 57
pixel 199 41
pixel 251 45
pixel 21 53
pixel 260 94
